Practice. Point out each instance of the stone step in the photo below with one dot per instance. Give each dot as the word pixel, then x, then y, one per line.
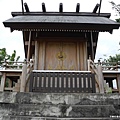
pixel 76 105
pixel 59 110
pixel 57 118
pixel 61 98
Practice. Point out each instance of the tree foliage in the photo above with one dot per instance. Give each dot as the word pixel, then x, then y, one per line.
pixel 117 8
pixel 112 60
pixel 6 57
pixel 115 58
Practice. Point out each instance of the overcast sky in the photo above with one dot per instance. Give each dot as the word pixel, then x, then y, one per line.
pixel 108 44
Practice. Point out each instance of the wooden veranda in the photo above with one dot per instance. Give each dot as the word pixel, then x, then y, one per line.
pixel 26 79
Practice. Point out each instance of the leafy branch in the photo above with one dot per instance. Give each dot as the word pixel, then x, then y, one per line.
pixel 6 57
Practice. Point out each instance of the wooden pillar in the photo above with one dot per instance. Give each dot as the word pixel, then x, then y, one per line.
pixel 118 82
pixel 3 80
pixel 89 60
pixel 110 83
pixel 85 56
pixel 29 47
pixel 91 44
pixel 10 83
pixel 23 77
pixel 36 55
pixel 100 78
pixel 78 55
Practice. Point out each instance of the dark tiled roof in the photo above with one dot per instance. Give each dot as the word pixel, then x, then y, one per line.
pixel 63 22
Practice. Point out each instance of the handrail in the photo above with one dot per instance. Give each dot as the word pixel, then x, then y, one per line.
pixel 61 71
pixel 26 70
pixel 11 65
pixel 111 66
pixel 29 70
pixel 92 67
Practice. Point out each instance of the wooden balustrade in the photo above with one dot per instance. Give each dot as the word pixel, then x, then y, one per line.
pixel 59 82
pixel 102 67
pixel 109 66
pixel 78 81
pixel 93 68
pixel 11 65
pixel 17 73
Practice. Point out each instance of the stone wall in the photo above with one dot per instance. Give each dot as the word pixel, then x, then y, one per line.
pixel 20 106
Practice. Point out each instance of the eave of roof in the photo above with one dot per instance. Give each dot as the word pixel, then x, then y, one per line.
pixel 59 23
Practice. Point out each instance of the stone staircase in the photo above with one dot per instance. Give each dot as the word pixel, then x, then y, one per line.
pixel 59 106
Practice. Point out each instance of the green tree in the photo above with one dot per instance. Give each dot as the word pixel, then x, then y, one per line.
pixel 117 8
pixel 112 60
pixel 5 57
pixel 115 58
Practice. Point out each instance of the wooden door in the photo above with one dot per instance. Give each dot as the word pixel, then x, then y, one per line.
pixel 61 56
pixel 65 55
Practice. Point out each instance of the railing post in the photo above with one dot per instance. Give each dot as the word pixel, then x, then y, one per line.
pixel 29 70
pixel 118 82
pixel 92 67
pixel 4 64
pixel 100 77
pixel 89 60
pixel 36 55
pixel 23 78
pixel 3 80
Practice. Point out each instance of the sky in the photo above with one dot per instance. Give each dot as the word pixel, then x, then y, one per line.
pixel 108 44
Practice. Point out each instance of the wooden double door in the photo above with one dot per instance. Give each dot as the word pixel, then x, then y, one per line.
pixel 62 55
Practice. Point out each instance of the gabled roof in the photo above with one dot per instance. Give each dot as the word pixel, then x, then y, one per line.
pixel 59 23
pixel 78 22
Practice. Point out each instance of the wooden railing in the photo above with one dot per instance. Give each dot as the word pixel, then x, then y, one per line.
pixel 19 70
pixel 11 65
pixel 93 68
pixel 98 69
pixel 61 81
pixel 110 66
pixel 10 73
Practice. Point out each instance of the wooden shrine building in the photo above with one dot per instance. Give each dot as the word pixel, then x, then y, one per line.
pixel 60 44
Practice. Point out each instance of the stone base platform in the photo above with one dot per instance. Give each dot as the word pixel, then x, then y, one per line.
pixel 72 106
